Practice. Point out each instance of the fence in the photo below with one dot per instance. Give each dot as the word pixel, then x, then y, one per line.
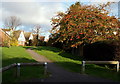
pixel 100 62
pixel 18 65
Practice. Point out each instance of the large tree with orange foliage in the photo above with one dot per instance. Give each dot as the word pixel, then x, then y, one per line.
pixel 84 24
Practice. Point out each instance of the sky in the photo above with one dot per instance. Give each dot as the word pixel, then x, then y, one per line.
pixel 32 12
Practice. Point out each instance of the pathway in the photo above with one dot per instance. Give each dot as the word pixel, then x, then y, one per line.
pixel 61 75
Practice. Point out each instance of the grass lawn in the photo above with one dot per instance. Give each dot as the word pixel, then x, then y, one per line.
pixel 73 63
pixel 19 55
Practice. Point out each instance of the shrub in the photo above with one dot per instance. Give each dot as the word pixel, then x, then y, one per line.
pixel 14 42
pixel 102 51
pixel 6 43
pixel 34 42
pixel 41 43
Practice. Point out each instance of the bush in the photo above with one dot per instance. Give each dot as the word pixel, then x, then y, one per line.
pixel 102 51
pixel 34 42
pixel 14 42
pixel 6 43
pixel 41 43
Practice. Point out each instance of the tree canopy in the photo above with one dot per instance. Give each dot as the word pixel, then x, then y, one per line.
pixel 84 24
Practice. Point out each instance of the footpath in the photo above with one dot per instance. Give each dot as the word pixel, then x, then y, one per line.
pixel 59 74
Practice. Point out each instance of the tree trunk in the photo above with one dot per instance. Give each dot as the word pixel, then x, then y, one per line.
pixel 73 51
pixel 81 50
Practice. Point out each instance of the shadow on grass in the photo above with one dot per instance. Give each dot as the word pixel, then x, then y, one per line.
pixel 6 62
pixel 68 55
pixel 26 72
pixel 53 49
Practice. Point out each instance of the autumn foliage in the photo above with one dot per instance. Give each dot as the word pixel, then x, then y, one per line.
pixel 84 24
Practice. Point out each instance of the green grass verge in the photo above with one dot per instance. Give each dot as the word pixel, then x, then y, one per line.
pixel 73 63
pixel 15 55
pixel 19 55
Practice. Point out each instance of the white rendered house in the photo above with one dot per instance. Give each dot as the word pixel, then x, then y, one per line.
pixel 21 39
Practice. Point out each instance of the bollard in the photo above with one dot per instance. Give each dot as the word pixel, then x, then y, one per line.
pixel 45 68
pixel 18 69
pixel 118 67
pixel 83 66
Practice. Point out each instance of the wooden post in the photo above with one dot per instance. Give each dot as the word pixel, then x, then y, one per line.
pixel 83 66
pixel 7 67
pixel 45 68
pixel 18 69
pixel 102 62
pixel 31 64
pixel 118 67
pixel 17 65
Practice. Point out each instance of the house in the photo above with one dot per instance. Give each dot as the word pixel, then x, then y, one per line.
pixel 8 31
pixel 42 38
pixel 23 38
pixel 29 38
pixel 4 38
pixel 38 42
pixel 19 35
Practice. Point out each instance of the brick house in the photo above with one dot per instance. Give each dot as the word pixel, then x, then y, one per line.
pixel 4 38
pixel 22 38
pixel 18 35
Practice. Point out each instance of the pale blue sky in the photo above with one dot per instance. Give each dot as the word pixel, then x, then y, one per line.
pixel 38 12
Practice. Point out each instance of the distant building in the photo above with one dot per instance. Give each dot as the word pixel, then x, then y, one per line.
pixel 29 38
pixel 18 35
pixel 4 38
pixel 23 38
pixel 8 31
pixel 42 38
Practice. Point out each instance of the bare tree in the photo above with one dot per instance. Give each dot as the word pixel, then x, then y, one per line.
pixel 12 22
pixel 36 30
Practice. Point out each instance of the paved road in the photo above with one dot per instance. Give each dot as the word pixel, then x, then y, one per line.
pixel 59 74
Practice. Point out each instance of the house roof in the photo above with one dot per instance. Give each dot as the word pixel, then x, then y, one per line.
pixel 6 30
pixel 34 36
pixel 16 34
pixel 2 30
pixel 27 35
pixel 42 38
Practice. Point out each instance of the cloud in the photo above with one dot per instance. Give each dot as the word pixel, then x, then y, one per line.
pixel 99 1
pixel 60 0
pixel 31 12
